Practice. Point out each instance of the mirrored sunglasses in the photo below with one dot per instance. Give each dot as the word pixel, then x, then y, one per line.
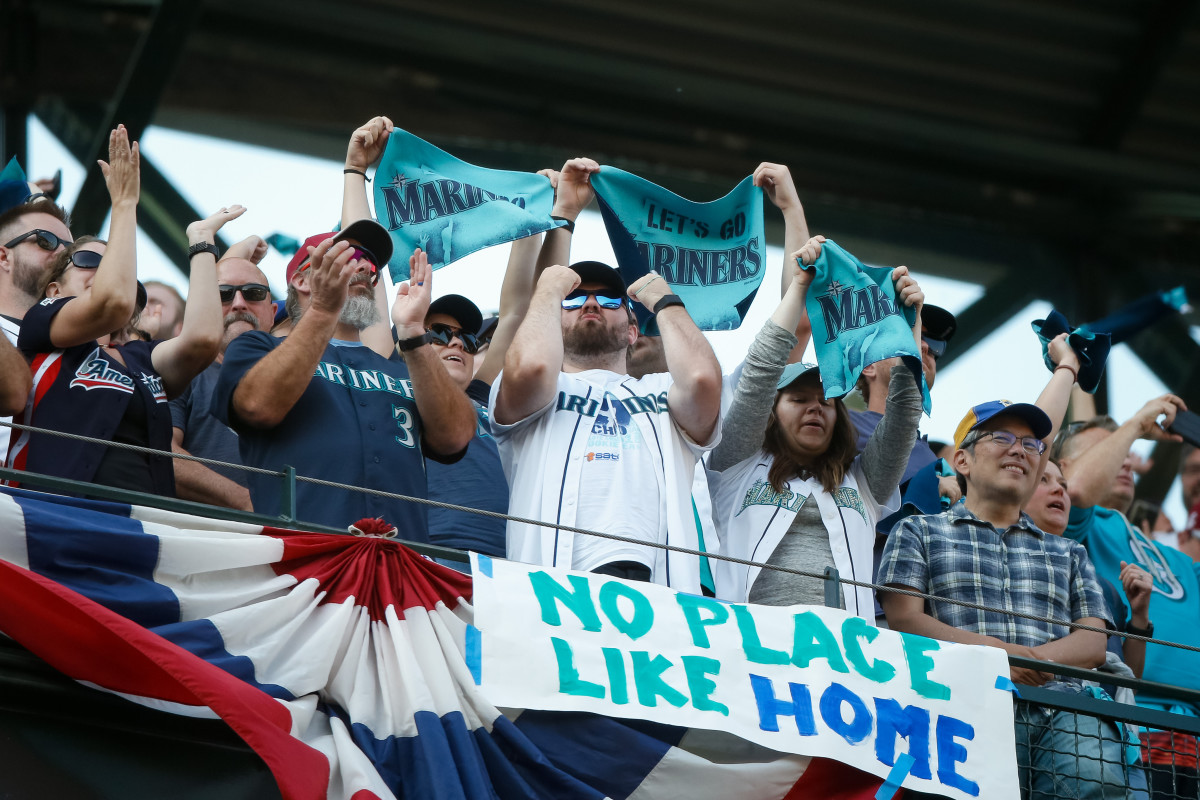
pixel 44 239
pixel 937 347
pixel 251 292
pixel 86 259
pixel 576 300
pixel 442 334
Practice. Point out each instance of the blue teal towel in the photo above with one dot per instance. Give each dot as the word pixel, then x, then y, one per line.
pixel 12 171
pixel 712 254
pixel 427 198
pixel 858 320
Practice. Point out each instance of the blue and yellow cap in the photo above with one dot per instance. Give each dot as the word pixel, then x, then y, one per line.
pixel 1034 417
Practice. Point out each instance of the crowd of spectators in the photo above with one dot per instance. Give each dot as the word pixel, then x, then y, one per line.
pixel 565 409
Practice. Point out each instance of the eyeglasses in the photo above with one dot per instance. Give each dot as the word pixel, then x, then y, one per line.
pixel 45 240
pixel 85 259
pixel 937 347
pixel 363 254
pixel 1030 444
pixel 442 334
pixel 576 300
pixel 251 292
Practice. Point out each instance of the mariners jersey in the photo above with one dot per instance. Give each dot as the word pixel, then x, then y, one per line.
pixel 356 423
pixel 83 390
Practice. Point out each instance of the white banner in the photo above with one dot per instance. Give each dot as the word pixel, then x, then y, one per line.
pixel 800 679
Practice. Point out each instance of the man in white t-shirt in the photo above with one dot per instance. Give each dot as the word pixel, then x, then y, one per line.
pixel 586 445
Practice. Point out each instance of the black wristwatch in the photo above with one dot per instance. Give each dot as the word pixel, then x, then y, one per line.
pixel 414 342
pixel 666 301
pixel 1147 631
pixel 203 247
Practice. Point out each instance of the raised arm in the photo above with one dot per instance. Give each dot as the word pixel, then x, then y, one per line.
pixel 515 295
pixel 366 147
pixel 695 394
pixel 776 182
pixel 535 357
pixel 15 378
pixel 1091 473
pixel 182 358
pixel 572 193
pixel 110 303
pixel 1056 397
pixel 447 415
pixel 267 392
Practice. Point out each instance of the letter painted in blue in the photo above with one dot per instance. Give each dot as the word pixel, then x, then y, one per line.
pixel 855 730
pixel 911 722
pixel 950 753
pixel 770 708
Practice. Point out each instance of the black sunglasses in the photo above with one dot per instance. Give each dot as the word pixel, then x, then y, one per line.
pixel 251 292
pixel 442 334
pixel 85 259
pixel 45 240
pixel 937 347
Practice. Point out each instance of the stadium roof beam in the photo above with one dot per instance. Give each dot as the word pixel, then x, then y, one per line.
pixel 147 72
pixel 1164 24
pixel 163 213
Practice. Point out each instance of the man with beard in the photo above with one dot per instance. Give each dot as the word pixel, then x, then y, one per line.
pixel 585 444
pixel 30 237
pixel 324 403
pixel 247 306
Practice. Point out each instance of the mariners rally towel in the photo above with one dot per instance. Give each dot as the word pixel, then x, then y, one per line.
pixel 1092 342
pixel 427 198
pixel 710 253
pixel 857 319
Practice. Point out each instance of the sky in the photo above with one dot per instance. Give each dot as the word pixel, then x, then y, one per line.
pixel 299 196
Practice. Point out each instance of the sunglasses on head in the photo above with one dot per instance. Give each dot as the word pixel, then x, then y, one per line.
pixel 45 240
pixel 937 347
pixel 442 334
pixel 85 259
pixel 576 300
pixel 251 292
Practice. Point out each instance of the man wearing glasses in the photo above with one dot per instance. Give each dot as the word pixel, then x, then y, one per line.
pixel 585 444
pixel 246 305
pixel 986 550
pixel 32 234
pixel 323 402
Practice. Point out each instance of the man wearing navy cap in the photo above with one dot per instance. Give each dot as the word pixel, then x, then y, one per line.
pixel 324 403
pixel 585 444
pixel 986 550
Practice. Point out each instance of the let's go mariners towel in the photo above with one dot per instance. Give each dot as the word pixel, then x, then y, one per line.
pixel 427 198
pixel 857 319
pixel 711 253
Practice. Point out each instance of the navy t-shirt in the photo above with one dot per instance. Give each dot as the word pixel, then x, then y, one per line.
pixel 356 423
pixel 83 390
pixel 922 455
pixel 204 435
pixel 477 481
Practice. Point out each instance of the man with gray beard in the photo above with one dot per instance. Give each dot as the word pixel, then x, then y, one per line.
pixel 324 403
pixel 247 306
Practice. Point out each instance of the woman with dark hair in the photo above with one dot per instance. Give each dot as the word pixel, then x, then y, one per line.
pixel 93 374
pixel 792 490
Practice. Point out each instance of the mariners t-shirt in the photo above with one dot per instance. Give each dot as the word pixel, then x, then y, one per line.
pixel 477 481
pixel 356 423
pixel 616 473
pixel 1174 600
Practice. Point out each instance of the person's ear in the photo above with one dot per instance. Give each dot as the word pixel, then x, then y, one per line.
pixel 53 289
pixel 869 371
pixel 961 462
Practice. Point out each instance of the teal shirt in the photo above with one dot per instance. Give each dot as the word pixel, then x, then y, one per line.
pixel 1174 603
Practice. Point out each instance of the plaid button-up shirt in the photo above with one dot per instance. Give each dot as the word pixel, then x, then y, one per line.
pixel 959 556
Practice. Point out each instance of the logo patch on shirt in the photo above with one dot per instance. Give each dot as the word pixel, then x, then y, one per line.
pixel 155 385
pixel 762 493
pixel 1148 557
pixel 96 372
pixel 845 497
pixel 613 427
pixel 593 456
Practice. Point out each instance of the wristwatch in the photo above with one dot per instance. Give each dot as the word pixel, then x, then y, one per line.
pixel 1147 631
pixel 666 301
pixel 414 342
pixel 203 247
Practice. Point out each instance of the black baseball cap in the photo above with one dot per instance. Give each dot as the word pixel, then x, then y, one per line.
pixel 372 237
pixel 603 274
pixel 470 319
pixel 937 323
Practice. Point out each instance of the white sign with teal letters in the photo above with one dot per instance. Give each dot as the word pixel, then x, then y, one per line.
pixel 800 679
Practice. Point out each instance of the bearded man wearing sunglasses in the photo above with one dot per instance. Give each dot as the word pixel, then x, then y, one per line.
pixel 587 445
pixel 246 305
pixel 328 405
